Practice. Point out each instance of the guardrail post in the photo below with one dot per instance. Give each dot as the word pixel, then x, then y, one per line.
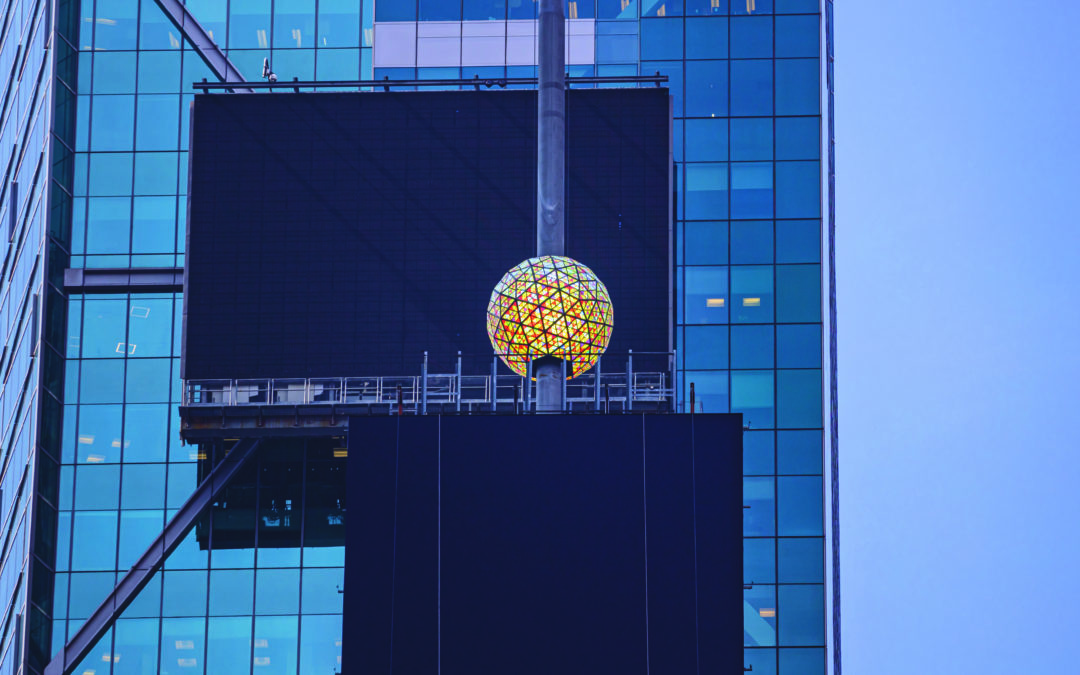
pixel 458 397
pixel 423 387
pixel 565 404
pixel 528 385
pixel 674 380
pixel 596 392
pixel 630 380
pixel 494 381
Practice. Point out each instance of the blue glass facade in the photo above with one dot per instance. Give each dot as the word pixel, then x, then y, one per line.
pixel 94 133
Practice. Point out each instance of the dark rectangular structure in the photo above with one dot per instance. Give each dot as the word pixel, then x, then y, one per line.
pixel 344 234
pixel 538 545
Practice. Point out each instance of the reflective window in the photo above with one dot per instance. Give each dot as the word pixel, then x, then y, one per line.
pixel 759 561
pixel 339 24
pixel 114 73
pixel 662 39
pixel 707 140
pixel 799 452
pixel 706 243
pixel 752 294
pixel 395 10
pixel 759 617
pixel 706 38
pixel 228 648
pixel 759 519
pixel 116 24
pixel 803 661
pixel 183 642
pixel 798 187
pixel 797 83
pixel 483 10
pixel 758 453
pixel 751 37
pixel 798 296
pixel 249 24
pixel 710 389
pixel 136 640
pixel 798 241
pixel 706 88
pixel 706 295
pixel 661 7
pixel 751 87
pixel 799 345
pixel 158 124
pixel 803 615
pixel 752 139
pixel 797 36
pixel 801 560
pixel 112 121
pixel 706 191
pixel 799 399
pixel 752 395
pixel 751 240
pixel 706 347
pixel 294 24
pixel 752 346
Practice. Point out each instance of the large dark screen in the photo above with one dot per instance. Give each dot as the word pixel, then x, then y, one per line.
pixel 538 545
pixel 344 234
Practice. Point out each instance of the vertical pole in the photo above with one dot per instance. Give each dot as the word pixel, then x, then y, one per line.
pixel 551 170
pixel 596 392
pixel 630 380
pixel 458 383
pixel 675 380
pixel 528 386
pixel 423 388
pixel 562 382
pixel 494 381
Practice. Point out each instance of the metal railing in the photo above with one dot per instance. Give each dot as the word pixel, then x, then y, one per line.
pixel 597 389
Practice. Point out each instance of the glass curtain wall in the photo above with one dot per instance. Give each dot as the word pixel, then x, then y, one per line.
pixel 745 77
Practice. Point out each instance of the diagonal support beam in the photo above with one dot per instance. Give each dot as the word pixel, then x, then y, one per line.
pixel 139 575
pixel 193 31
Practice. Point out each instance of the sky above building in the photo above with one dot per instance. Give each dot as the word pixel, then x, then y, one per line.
pixel 958 249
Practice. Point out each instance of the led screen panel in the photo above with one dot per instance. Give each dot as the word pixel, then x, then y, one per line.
pixel 538 545
pixel 345 234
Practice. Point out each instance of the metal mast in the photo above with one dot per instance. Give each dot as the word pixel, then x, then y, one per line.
pixel 551 172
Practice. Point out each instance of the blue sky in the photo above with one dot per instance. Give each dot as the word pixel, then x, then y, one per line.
pixel 958 142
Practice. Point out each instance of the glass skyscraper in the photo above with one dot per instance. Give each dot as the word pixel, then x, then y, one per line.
pixel 94 132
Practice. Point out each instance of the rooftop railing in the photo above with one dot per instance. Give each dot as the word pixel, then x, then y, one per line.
pixel 614 390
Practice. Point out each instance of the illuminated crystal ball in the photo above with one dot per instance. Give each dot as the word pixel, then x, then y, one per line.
pixel 550 306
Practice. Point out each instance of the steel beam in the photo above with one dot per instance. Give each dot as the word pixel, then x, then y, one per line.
pixel 150 562
pixel 201 41
pixel 124 280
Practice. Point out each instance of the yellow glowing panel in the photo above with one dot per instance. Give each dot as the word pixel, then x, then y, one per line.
pixel 767 612
pixel 751 302
pixel 550 306
pixel 714 302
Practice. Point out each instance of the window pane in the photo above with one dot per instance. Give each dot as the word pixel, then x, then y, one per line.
pixel 294 23
pixel 137 642
pixel 799 506
pixel 116 24
pixel 338 64
pixel 752 294
pixel 751 87
pixel 799 345
pixel 707 38
pixel 114 73
pixel 232 592
pixel 710 389
pixel 93 542
pixel 145 432
pixel 798 296
pixel 752 395
pixel 799 399
pixel 802 661
pixel 395 10
pixel 706 347
pixel 752 346
pixel 706 88
pixel 158 123
pixel 155 173
pixel 798 241
pixel 95 487
pixel 320 644
pixel 148 380
pixel 112 119
pixel 706 243
pixel 802 620
pixel 277 591
pixel 798 137
pixel 228 648
pixel 275 643
pixel 797 84
pixel 706 295
pixel 801 560
pixel 339 24
pixel 797 36
pixel 759 616
pixel 183 643
pixel 798 187
pixel 759 561
pixel 110 173
pixel 799 451
pixel 751 37
pixel 752 241
pixel 138 529
pixel 707 140
pixel 142 486
pixel 322 590
pixel 758 453
pixel 759 520
pixel 706 191
pixel 751 139
pixel 184 593
pixel 662 39
pixel 102 382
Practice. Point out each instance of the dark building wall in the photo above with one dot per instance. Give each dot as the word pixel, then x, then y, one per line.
pixel 345 234
pixel 525 544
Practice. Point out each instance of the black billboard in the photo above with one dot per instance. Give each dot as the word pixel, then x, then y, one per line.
pixel 344 234
pixel 544 544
